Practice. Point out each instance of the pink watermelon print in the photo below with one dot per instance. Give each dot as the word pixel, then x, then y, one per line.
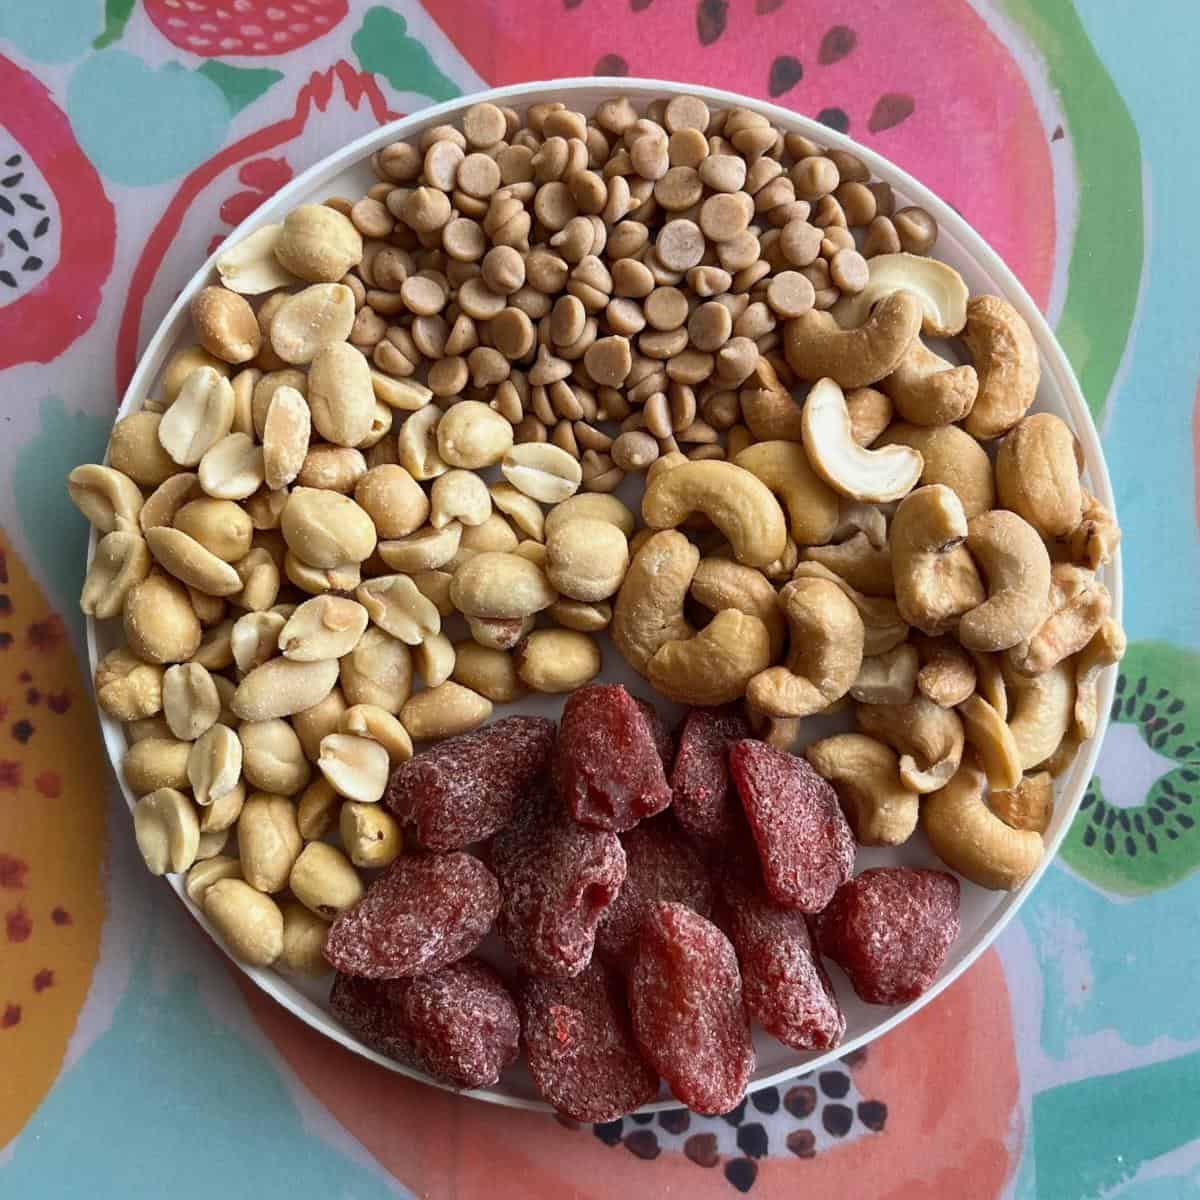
pixel 243 27
pixel 949 82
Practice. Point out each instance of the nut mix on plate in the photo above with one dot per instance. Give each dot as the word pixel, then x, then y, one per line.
pixel 375 499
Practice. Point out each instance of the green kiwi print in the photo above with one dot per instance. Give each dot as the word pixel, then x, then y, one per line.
pixel 1132 844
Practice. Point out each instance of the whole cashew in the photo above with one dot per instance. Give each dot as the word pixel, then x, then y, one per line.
pixel 970 839
pixel 740 506
pixel 993 741
pixel 887 678
pixel 826 652
pixel 1006 360
pixel 928 390
pixel 1106 649
pixel 767 406
pixel 929 739
pixel 952 457
pixel 940 288
pixel 1037 474
pixel 870 412
pixel 815 347
pixel 812 505
pixel 947 674
pixel 865 773
pixel 1079 604
pixel 715 666
pixel 936 579
pixel 1014 559
pixel 1042 708
pixel 649 607
pixel 863 566
pixel 721 583
pixel 883 627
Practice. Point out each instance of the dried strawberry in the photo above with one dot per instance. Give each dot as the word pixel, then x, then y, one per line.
pixel 685 997
pixel 890 929
pixel 372 1009
pixel 607 766
pixel 663 740
pixel 784 984
pixel 556 879
pixel 463 1023
pixel 463 789
pixel 804 842
pixel 580 1046
pixel 426 911
pixel 659 865
pixel 706 802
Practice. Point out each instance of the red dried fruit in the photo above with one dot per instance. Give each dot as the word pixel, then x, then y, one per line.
pixel 890 929
pixel 464 789
pixel 685 997
pixel 663 741
pixel 425 911
pixel 607 768
pixel 556 879
pixel 785 987
pixel 804 843
pixel 459 1024
pixel 580 1046
pixel 659 865
pixel 463 1023
pixel 706 802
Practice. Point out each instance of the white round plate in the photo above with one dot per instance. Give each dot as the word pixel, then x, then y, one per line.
pixel 983 913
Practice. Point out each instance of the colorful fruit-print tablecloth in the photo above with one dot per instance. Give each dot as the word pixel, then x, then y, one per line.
pixel 134 1062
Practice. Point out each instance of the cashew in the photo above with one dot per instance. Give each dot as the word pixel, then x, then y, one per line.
pixel 936 579
pixel 856 517
pixel 993 741
pixel 870 414
pixel 1094 540
pixel 737 503
pixel 370 834
pixel 1030 805
pixel 249 922
pixel 323 627
pixel 1078 605
pixel 815 347
pixel 121 562
pixel 780 733
pixel 768 408
pixel 324 881
pixel 866 568
pixel 190 701
pixel 444 711
pixel 928 390
pixel 357 767
pixel 721 583
pixel 494 584
pixel 872 475
pixel 952 457
pixel 1061 760
pixel 397 607
pixel 1014 559
pixel 972 840
pixel 989 675
pixel 947 672
pixel 1006 360
pixel 928 739
pixel 865 773
pixel 826 653
pixel 273 758
pixel 435 659
pixel 1037 474
pixel 882 625
pixel 1041 711
pixel 649 609
pixel 557 660
pixel 1106 649
pixel 715 666
pixel 887 678
pixel 812 506
pixel 167 831
pixel 938 286
pixel 282 687
pixel 109 499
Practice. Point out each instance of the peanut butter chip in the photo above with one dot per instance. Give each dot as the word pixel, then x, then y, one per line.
pixel 483 125
pixel 666 308
pixel 848 270
pixel 478 175
pixel 680 245
pixel 723 172
pixel 725 215
pixel 608 360
pixel 789 294
pixel 686 112
pixel 422 296
pixel 800 243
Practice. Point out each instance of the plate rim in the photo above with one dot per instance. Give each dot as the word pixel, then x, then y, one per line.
pixel 276 984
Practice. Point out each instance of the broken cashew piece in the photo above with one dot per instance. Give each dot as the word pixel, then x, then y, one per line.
pixel 865 773
pixel 1106 649
pixel 947 675
pixel 826 655
pixel 866 568
pixel 715 666
pixel 929 739
pixel 648 611
pixel 938 286
pixel 1015 562
pixel 972 840
pixel 1079 604
pixel 936 579
pixel 993 741
pixel 848 468
pixel 889 678
pixel 812 505
pixel 1006 360
pixel 1042 708
pixel 737 503
pixel 815 347
pixel 767 406
pixel 928 390
pixel 1030 805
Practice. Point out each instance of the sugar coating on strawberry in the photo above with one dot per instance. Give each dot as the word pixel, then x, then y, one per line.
pixel 556 879
pixel 659 865
pixel 372 1010
pixel 243 27
pixel 658 731
pixel 705 801
pixel 580 1046
pixel 804 843
pixel 786 989
pixel 890 929
pixel 607 766
pixel 685 997
pixel 424 912
pixel 464 789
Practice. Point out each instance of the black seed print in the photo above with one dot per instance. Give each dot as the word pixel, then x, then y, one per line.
pixel 10 181
pixel 640 5
pixel 609 1132
pixel 710 20
pixel 752 1140
pixel 741 1172
pixel 18 239
pixel 766 1101
pixel 32 263
pixel 13 160
pixel 675 1120
pixel 642 1143
pixel 835 118
pixel 1131 847
pixel 40 229
pixel 735 1115
pixel 837 1119
pixel 1057 135
pixel 890 109
pixel 22 731
pixel 786 72
pixel 1110 845
pixel 611 64
pixel 1089 836
pixel 6 207
pixel 873 1114
pixel 1151 843
pixel 1172 835
pixel 28 198
pixel 763 7
pixel 8 281
pixel 802 1143
pixel 836 44
pixel 572 3
pixel 834 1083
pixel 800 1101
pixel 643 1118
pixel 1156 818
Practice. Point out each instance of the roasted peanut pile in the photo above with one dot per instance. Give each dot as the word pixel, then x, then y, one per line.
pixel 422 410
